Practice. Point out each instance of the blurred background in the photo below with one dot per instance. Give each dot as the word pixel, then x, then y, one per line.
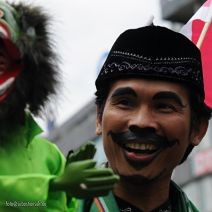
pixel 83 32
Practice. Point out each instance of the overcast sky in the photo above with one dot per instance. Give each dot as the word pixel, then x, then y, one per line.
pixel 83 31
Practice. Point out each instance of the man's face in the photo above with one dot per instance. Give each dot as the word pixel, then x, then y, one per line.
pixel 145 127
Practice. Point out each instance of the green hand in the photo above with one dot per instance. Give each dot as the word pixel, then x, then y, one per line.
pixel 86 151
pixel 82 180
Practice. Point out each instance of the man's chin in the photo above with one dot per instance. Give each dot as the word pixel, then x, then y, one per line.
pixel 139 179
pixel 135 179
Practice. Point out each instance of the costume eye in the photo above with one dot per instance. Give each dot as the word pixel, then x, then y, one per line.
pixel 1 13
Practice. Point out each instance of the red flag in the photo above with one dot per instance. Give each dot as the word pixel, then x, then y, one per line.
pixel 200 23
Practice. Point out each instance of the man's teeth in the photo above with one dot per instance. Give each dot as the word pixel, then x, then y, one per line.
pixel 141 146
pixel 6 85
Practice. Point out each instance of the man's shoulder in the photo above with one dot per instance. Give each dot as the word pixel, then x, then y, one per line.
pixel 180 200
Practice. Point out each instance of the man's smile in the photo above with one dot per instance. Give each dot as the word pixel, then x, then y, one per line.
pixel 141 146
pixel 142 155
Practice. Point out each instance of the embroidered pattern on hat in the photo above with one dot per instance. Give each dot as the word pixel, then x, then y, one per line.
pixel 169 67
pixel 157 60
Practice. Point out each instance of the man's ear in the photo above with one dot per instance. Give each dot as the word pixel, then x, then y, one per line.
pixel 98 122
pixel 200 133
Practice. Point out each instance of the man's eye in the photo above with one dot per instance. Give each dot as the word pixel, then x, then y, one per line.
pixel 123 102
pixel 166 107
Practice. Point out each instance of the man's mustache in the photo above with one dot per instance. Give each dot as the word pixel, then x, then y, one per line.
pixel 141 136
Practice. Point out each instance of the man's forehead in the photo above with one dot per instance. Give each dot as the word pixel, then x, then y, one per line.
pixel 133 86
pixel 139 81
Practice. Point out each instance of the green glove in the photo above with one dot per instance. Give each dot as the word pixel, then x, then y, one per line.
pixel 81 178
pixel 86 151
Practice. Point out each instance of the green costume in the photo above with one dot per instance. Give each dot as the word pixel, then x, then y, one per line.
pixel 28 163
pixel 180 202
pixel 34 175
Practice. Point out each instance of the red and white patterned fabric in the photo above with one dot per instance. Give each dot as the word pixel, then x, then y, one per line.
pixel 192 29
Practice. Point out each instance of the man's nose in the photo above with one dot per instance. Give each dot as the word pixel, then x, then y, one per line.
pixel 144 118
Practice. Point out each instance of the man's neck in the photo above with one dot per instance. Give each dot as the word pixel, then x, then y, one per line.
pixel 147 196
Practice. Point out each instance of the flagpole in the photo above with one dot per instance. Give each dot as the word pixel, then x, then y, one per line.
pixel 202 35
pixel 205 28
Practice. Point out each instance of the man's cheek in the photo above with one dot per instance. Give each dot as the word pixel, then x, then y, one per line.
pixel 112 151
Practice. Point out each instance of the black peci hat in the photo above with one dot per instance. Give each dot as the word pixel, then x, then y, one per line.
pixel 153 52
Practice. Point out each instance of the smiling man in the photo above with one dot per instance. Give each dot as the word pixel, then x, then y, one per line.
pixel 150 113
